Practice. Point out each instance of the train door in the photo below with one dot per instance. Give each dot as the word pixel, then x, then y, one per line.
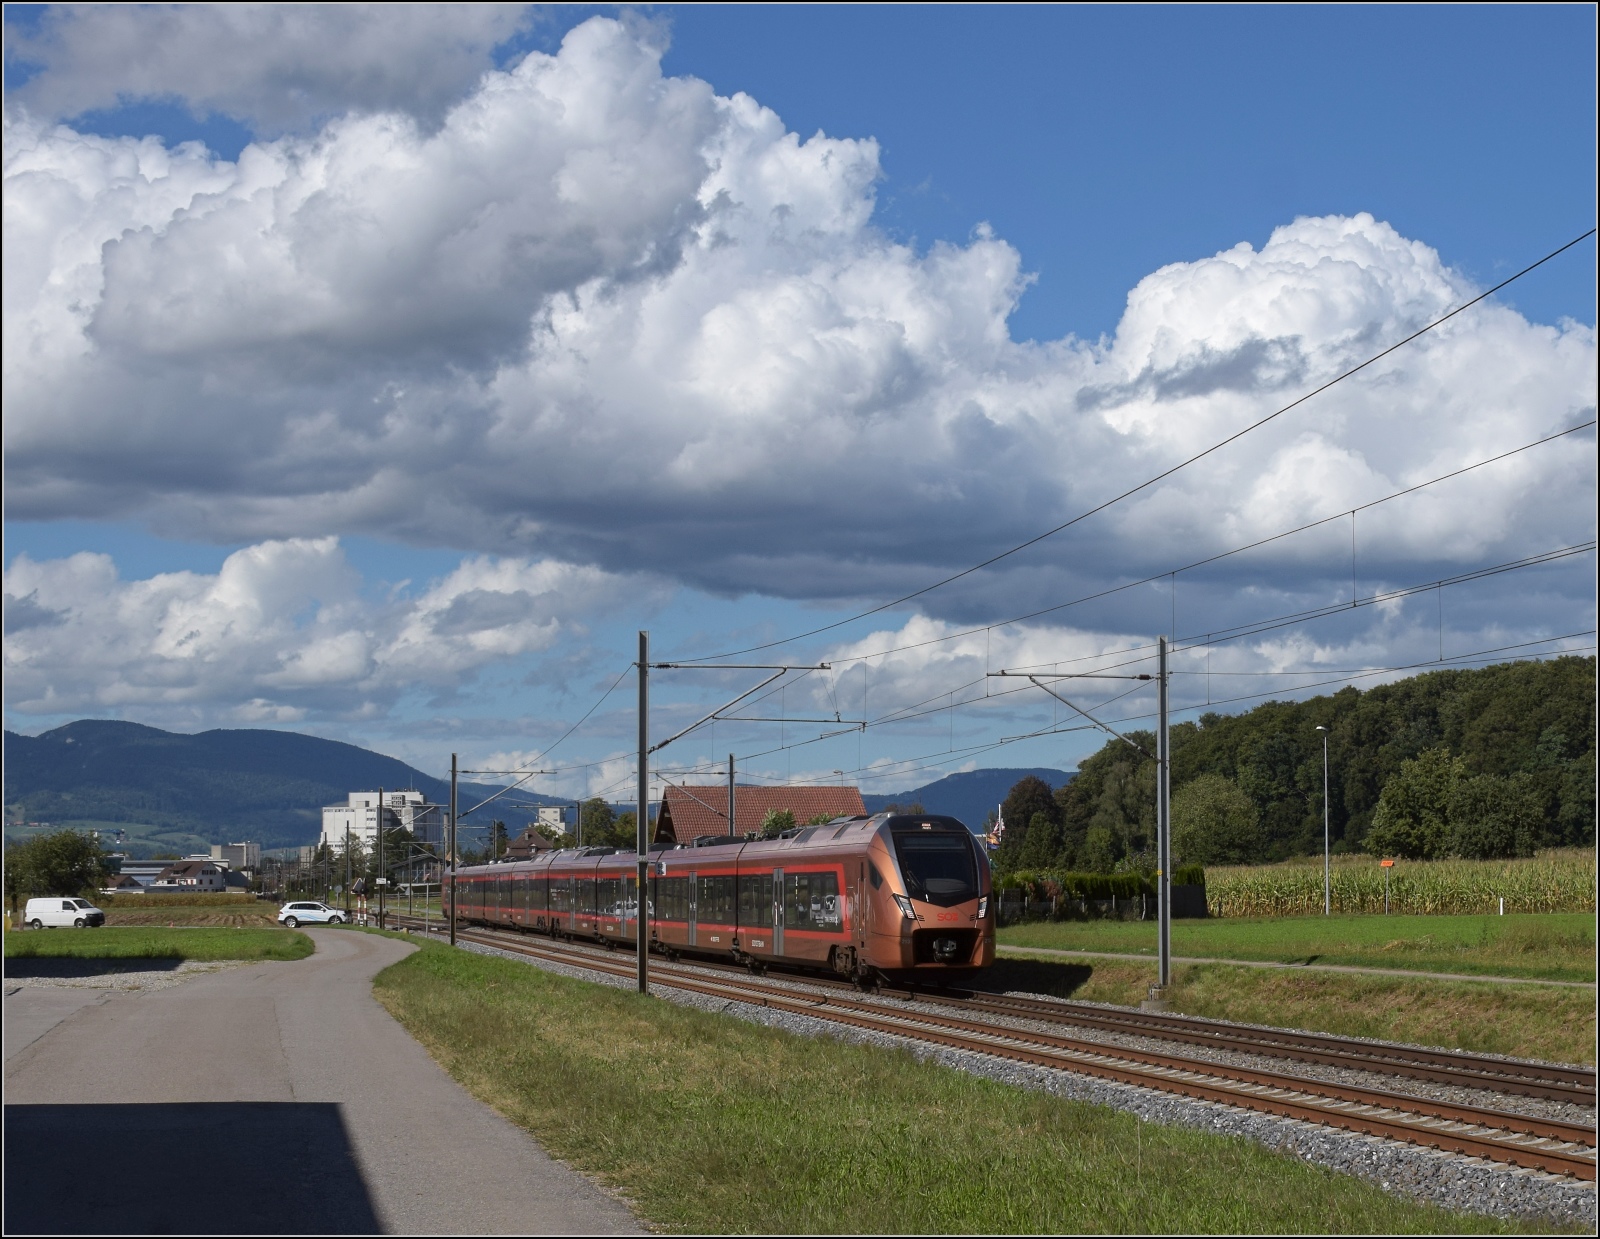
pixel 777 911
pixel 630 908
pixel 858 906
pixel 694 903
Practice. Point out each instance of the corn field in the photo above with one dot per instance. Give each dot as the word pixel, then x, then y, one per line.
pixel 1561 881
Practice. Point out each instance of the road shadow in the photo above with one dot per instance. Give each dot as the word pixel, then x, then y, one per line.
pixel 184 1168
pixel 58 967
pixel 1033 976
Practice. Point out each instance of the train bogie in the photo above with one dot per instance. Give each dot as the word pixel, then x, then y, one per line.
pixel 893 896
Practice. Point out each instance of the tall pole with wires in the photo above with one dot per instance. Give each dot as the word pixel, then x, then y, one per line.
pixel 1163 826
pixel 1327 853
pixel 452 849
pixel 643 831
pixel 731 796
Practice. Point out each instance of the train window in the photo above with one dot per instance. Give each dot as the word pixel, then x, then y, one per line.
pixel 938 866
pixel 755 899
pixel 877 878
pixel 811 901
pixel 716 899
pixel 609 894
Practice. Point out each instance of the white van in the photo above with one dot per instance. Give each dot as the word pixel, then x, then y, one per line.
pixel 51 913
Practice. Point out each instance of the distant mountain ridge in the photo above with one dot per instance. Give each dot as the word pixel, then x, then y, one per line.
pixel 220 786
pixel 970 795
pixel 270 786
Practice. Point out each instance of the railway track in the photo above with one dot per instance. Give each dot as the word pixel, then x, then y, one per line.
pixel 1553 1082
pixel 1549 1145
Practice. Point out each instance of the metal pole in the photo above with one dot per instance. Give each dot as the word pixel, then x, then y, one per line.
pixel 1163 827
pixel 452 849
pixel 643 831
pixel 731 830
pixel 378 881
pixel 1327 859
pixel 577 823
pixel 347 874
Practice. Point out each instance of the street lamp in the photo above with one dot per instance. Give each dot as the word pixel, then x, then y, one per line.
pixel 1327 862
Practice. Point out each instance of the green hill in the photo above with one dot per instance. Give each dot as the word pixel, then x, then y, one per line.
pixel 169 790
pixel 1260 772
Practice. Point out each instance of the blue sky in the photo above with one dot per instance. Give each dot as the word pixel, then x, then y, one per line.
pixel 1096 145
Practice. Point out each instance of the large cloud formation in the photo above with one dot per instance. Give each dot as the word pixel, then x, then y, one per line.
pixel 281 632
pixel 594 321
pixel 610 315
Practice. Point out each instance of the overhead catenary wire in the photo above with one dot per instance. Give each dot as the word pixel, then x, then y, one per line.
pixel 1159 477
pixel 1211 559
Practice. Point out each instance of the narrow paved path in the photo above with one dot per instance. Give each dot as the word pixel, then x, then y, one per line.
pixel 272 1098
pixel 1413 973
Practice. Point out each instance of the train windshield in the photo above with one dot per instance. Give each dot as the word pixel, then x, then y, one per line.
pixel 937 865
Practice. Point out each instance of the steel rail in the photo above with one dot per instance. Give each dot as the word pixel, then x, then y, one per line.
pixel 1519 1140
pixel 1553 1082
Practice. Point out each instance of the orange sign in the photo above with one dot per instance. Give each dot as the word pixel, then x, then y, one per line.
pixel 1386 864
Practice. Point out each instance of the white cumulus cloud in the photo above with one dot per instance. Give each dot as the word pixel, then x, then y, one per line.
pixel 283 632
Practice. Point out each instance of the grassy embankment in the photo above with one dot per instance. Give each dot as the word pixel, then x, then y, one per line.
pixel 709 1124
pixel 1554 946
pixel 1529 1021
pixel 143 942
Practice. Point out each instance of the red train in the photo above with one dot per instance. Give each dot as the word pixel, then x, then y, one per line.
pixel 901 897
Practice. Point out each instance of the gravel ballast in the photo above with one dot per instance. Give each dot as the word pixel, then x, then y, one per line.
pixel 1447 1179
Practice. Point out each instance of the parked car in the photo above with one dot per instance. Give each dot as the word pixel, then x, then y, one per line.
pixel 306 913
pixel 57 913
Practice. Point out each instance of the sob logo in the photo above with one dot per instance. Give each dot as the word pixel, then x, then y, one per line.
pixel 949 916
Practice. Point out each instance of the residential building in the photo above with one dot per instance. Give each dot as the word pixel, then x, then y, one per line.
pixel 238 856
pixel 407 810
pixel 198 875
pixel 694 810
pixel 550 818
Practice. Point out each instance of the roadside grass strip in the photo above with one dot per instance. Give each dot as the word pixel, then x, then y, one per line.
pixel 142 942
pixel 1557 946
pixel 710 1124
pixel 1524 1021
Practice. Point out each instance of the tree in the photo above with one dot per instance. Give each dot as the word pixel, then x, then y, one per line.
pixel 62 862
pixel 1214 823
pixel 1413 814
pixel 1493 817
pixel 819 819
pixel 625 831
pixel 1029 796
pixel 597 823
pixel 775 822
pixel 1041 849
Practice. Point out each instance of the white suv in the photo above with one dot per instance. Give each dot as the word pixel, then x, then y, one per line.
pixel 296 914
pixel 58 913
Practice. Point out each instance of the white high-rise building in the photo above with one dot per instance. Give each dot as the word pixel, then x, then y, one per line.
pixel 407 810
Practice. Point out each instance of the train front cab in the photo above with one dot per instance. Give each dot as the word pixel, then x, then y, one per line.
pixel 929 899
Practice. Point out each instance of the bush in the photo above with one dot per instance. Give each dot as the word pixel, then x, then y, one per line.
pixel 1189 875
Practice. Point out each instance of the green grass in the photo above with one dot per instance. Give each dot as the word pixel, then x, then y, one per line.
pixel 153 943
pixel 1528 1021
pixel 710 1124
pixel 1550 946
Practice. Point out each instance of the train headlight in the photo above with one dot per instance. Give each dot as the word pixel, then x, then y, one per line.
pixel 909 912
pixel 983 907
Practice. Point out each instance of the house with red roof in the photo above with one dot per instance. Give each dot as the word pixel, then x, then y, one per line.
pixel 690 811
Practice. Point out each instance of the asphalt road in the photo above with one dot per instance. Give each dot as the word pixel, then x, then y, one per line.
pixel 273 1098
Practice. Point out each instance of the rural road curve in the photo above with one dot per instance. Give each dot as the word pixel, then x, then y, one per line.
pixel 1415 974
pixel 270 1098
